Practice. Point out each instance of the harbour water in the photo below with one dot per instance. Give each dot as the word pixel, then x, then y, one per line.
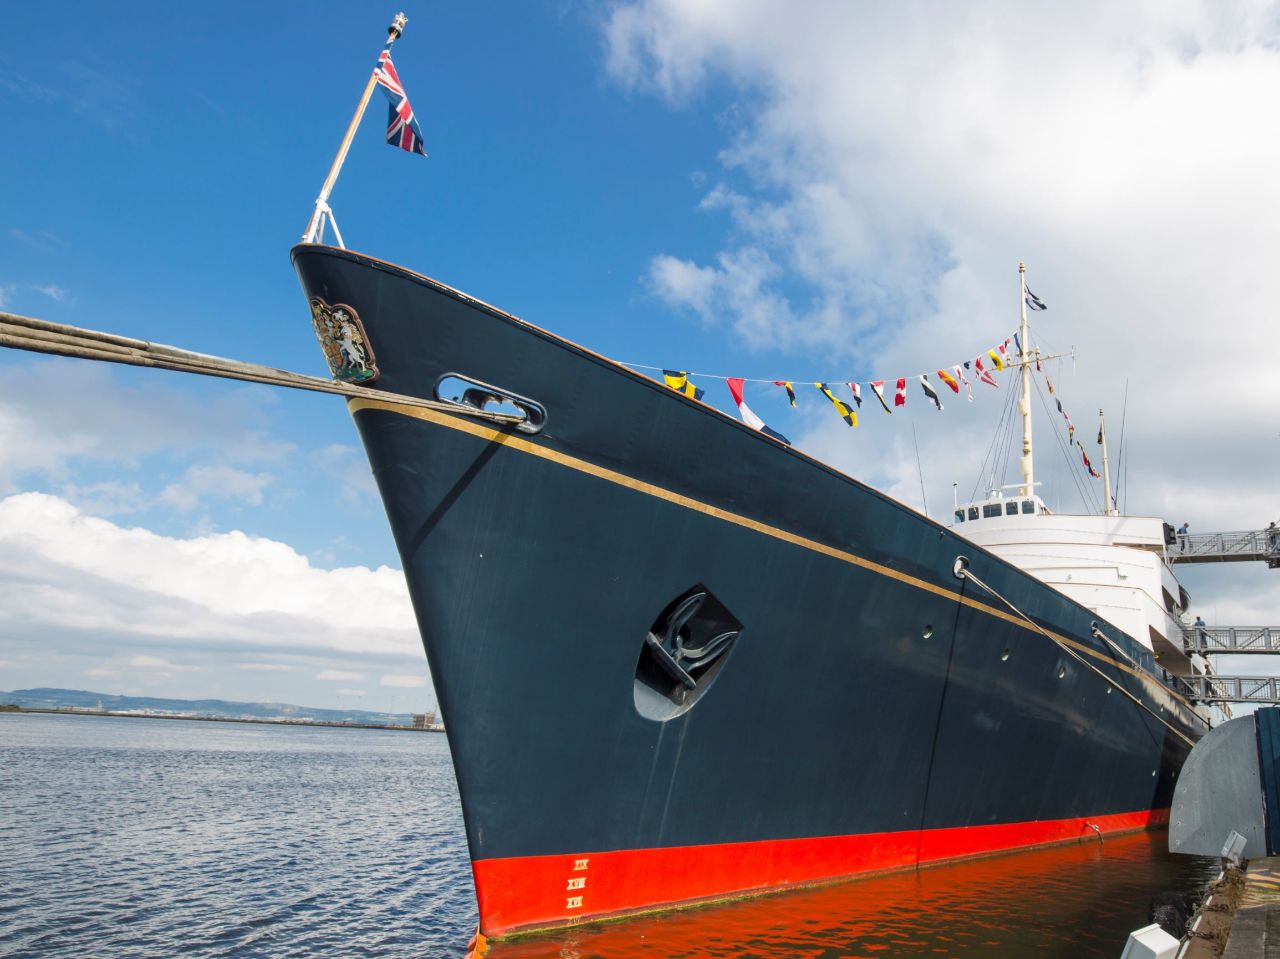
pixel 146 838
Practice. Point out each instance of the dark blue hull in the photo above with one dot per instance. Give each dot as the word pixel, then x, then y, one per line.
pixel 871 711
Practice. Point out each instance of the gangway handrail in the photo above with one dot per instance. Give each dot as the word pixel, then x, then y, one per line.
pixel 1217 640
pixel 1234 689
pixel 1234 546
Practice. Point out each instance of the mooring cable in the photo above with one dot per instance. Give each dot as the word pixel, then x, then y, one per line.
pixel 59 339
pixel 962 571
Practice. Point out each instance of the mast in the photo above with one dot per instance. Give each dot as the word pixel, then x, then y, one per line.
pixel 1024 402
pixel 1110 508
pixel 315 228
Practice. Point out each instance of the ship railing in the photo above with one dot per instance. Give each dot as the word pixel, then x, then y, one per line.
pixel 1238 546
pixel 1178 684
pixel 1234 689
pixel 1231 639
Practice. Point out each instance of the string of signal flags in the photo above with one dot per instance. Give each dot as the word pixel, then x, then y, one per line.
pixel 1071 429
pixel 953 377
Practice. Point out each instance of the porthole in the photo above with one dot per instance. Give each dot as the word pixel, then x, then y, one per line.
pixel 1062 672
pixel 1004 657
pixel 927 633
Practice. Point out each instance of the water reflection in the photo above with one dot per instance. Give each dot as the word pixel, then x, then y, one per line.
pixel 1079 901
pixel 159 838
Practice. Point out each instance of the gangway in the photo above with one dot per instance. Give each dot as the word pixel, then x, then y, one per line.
pixel 1239 547
pixel 1231 689
pixel 1217 640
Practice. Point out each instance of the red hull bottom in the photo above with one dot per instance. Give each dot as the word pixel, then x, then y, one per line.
pixel 542 892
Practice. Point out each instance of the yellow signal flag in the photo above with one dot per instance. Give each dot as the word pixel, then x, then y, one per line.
pixel 679 381
pixel 846 413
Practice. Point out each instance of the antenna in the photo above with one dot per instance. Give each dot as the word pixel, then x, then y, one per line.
pixel 919 468
pixel 1122 467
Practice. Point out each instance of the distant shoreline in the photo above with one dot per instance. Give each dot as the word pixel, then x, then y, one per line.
pixel 7 708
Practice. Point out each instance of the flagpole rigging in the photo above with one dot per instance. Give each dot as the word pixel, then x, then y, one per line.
pixel 315 228
pixel 1024 402
pixel 1110 508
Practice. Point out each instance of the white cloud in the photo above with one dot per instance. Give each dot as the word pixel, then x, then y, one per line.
pixel 348 467
pixel 214 482
pixel 400 680
pixel 159 664
pixel 5 293
pixel 881 177
pixel 144 666
pixel 683 283
pixel 55 293
pixel 107 498
pixel 914 158
pixel 61 569
pixel 338 675
pixel 44 240
pixel 645 50
pixel 148 662
pixel 57 415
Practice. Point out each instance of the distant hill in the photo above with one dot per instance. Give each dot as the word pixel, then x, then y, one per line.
pixel 45 698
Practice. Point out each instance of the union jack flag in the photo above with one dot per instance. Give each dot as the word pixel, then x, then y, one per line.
pixel 402 127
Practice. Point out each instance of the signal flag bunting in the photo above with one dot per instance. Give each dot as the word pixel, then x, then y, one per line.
pixel 748 416
pixel 846 413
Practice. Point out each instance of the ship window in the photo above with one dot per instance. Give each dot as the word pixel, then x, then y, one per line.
pixel 1028 506
pixel 992 509
pixel 1011 509
pixel 959 516
pixel 973 512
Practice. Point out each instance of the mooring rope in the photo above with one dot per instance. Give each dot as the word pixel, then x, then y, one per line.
pixel 59 339
pixel 962 571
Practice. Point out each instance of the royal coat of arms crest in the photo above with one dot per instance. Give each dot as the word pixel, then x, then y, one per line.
pixel 344 342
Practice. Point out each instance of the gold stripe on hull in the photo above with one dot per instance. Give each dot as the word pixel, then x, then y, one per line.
pixel 523 445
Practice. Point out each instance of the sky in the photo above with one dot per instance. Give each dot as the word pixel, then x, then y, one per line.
pixel 833 192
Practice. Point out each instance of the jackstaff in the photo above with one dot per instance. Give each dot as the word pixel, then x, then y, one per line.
pixel 402 130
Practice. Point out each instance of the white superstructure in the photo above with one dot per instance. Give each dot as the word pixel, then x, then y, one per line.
pixel 1113 565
